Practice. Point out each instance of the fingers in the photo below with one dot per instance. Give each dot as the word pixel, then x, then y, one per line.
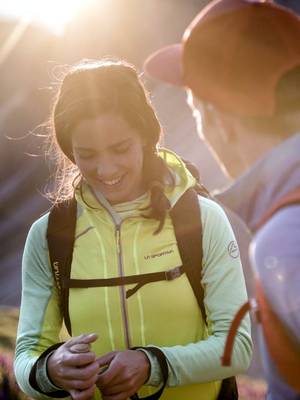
pixel 85 338
pixel 124 366
pixel 123 387
pixel 78 360
pixel 127 371
pixel 82 373
pixel 73 365
pixel 119 396
pixel 106 359
pixel 86 394
pixel 80 384
pixel 80 347
pixel 110 375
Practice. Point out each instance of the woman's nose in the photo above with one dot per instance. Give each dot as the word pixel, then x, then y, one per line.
pixel 106 169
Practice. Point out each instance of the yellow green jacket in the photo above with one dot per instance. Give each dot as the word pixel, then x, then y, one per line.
pixel 119 240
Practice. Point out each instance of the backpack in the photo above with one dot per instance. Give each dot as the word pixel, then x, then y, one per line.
pixel 291 198
pixel 186 219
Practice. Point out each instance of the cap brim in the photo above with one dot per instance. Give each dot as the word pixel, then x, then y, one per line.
pixel 166 65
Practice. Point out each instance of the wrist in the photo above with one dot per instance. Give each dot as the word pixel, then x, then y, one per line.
pixel 39 375
pixel 146 363
pixel 43 377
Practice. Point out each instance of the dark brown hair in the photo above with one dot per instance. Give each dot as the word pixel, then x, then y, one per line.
pixel 92 88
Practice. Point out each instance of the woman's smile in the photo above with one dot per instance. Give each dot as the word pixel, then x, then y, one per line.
pixel 110 156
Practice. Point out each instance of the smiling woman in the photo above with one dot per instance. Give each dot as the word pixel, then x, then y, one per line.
pixel 52 13
pixel 125 189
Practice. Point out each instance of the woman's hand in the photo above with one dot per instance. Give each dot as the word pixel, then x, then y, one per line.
pixel 126 371
pixel 73 367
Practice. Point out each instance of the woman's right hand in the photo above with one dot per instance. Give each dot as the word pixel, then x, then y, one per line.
pixel 73 367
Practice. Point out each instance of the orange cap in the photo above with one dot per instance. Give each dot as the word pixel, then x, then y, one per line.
pixel 233 54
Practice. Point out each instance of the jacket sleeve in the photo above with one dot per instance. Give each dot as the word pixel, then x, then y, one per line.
pixel 225 292
pixel 275 255
pixel 40 319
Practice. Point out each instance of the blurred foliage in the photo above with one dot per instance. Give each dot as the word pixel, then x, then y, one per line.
pixel 8 328
pixel 9 389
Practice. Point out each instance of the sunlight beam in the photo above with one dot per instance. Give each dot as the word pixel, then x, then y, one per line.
pixel 54 14
pixel 13 39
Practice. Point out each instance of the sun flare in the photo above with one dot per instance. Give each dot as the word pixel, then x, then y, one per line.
pixel 52 13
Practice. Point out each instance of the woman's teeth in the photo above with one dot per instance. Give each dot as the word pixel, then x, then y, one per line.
pixel 112 182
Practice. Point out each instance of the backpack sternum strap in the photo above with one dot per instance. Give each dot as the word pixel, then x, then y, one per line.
pixel 140 280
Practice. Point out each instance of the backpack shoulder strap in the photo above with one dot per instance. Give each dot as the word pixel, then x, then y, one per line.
pixel 60 237
pixel 186 218
pixel 289 199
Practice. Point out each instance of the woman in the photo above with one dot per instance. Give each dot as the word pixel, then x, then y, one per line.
pixel 106 133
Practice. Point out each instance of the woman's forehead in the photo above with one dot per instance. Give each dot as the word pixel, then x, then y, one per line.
pixel 108 129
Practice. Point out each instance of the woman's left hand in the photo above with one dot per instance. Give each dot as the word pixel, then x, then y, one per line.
pixel 126 371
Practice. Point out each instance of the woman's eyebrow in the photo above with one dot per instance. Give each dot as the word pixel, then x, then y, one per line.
pixel 81 148
pixel 117 144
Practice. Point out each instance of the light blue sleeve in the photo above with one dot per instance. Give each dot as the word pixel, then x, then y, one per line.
pixel 275 257
pixel 40 319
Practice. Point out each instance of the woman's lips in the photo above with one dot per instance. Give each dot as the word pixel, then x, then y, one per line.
pixel 111 183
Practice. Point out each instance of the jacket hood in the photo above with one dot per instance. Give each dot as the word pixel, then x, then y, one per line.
pixel 271 178
pixel 183 177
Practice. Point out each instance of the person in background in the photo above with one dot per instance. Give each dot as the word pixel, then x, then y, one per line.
pixel 239 61
pixel 106 137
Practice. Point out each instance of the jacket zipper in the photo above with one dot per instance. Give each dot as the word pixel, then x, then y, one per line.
pixel 122 288
pixel 117 224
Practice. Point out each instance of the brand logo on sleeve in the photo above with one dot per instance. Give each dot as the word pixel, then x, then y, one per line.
pixel 233 249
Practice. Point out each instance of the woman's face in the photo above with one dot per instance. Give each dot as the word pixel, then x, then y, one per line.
pixel 109 154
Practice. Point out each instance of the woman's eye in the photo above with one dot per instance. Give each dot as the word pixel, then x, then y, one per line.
pixel 85 156
pixel 123 148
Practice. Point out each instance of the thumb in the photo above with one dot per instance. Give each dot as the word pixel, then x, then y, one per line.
pixel 106 359
pixel 81 343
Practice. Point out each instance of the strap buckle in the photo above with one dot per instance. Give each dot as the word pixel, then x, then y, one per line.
pixel 173 273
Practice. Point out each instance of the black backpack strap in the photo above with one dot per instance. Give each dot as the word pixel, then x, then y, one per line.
pixel 60 237
pixel 186 218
